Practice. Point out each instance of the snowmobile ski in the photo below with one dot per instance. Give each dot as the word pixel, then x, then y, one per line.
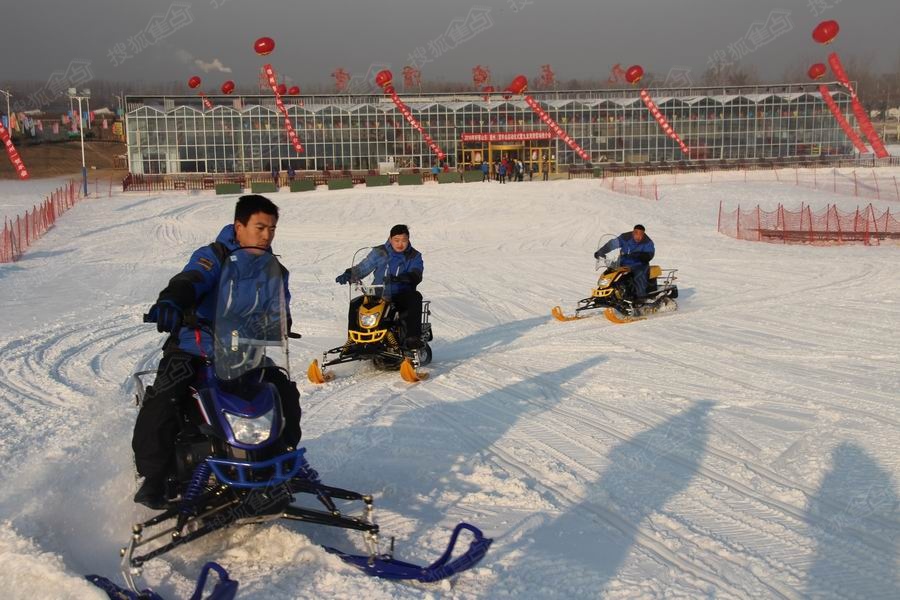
pixel 315 375
pixel 387 567
pixel 409 373
pixel 560 316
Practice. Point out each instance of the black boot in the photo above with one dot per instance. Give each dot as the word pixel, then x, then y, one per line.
pixel 152 493
pixel 414 343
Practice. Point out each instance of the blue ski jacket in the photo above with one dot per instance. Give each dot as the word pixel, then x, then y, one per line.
pixel 196 288
pixel 632 253
pixel 398 271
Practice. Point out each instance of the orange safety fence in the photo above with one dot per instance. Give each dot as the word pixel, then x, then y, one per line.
pixel 20 233
pixel 829 226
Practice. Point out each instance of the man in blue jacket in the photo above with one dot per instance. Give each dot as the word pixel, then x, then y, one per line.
pixel 399 267
pixel 194 291
pixel 636 251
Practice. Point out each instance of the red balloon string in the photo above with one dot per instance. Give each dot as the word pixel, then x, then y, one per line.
pixel 13 154
pixel 662 121
pixel 862 118
pixel 841 120
pixel 289 127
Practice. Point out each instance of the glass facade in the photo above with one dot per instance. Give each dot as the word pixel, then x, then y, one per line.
pixel 175 134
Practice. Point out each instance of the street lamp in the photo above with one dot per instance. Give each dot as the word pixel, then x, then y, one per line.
pixel 84 95
pixel 8 114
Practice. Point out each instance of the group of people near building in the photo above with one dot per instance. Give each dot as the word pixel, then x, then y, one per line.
pixel 512 169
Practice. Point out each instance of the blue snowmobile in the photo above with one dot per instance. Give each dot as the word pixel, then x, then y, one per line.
pixel 233 467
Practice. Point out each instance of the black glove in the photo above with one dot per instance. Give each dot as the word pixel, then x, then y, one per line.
pixel 598 255
pixel 168 316
pixel 343 278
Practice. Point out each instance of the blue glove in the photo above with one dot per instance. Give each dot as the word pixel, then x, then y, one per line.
pixel 343 278
pixel 598 255
pixel 168 316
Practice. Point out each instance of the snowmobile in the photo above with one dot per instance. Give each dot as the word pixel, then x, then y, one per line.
pixel 615 294
pixel 233 467
pixel 378 335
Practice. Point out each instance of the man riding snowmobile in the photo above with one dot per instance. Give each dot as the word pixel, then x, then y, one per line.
pixel 234 437
pixel 388 322
pixel 194 292
pixel 629 288
pixel 636 250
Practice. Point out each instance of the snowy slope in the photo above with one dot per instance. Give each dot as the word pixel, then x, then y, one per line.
pixel 744 446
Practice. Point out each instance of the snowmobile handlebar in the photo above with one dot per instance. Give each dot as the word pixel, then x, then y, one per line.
pixel 191 321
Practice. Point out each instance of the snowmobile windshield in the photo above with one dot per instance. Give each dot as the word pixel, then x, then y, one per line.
pixel 365 285
pixel 250 329
pixel 611 258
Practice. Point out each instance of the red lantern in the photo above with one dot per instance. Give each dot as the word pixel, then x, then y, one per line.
pixel 634 74
pixel 384 79
pixel 282 89
pixel 817 71
pixel 228 87
pixel 194 82
pixel 518 85
pixel 294 91
pixel 264 46
pixel 825 32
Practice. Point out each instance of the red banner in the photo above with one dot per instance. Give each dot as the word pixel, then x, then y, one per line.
pixel 507 136
pixel 14 157
pixel 273 83
pixel 841 120
pixel 861 117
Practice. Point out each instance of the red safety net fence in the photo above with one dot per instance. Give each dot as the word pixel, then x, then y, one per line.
pixel 827 227
pixel 19 233
pixel 863 184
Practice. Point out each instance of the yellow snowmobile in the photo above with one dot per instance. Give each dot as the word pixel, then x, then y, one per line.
pixel 615 295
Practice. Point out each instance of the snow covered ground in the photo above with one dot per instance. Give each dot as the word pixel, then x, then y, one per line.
pixel 742 447
pixel 17 197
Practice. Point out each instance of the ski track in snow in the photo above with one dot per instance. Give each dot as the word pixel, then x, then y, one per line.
pixel 741 447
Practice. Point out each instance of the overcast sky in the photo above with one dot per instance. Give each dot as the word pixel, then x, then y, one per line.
pixel 161 39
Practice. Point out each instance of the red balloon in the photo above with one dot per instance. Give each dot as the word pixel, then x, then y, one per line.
pixel 826 31
pixel 264 46
pixel 282 89
pixel 384 78
pixel 228 87
pixel 194 82
pixel 817 71
pixel 294 91
pixel 634 74
pixel 518 85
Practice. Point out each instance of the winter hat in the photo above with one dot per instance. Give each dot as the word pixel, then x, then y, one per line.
pixel 399 229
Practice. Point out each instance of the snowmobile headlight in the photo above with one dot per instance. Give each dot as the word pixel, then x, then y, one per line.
pixel 370 320
pixel 606 280
pixel 251 431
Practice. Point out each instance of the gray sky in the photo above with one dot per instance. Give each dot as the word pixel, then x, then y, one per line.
pixel 579 38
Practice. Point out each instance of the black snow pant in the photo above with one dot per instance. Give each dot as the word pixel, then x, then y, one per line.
pixel 640 275
pixel 409 306
pixel 157 424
